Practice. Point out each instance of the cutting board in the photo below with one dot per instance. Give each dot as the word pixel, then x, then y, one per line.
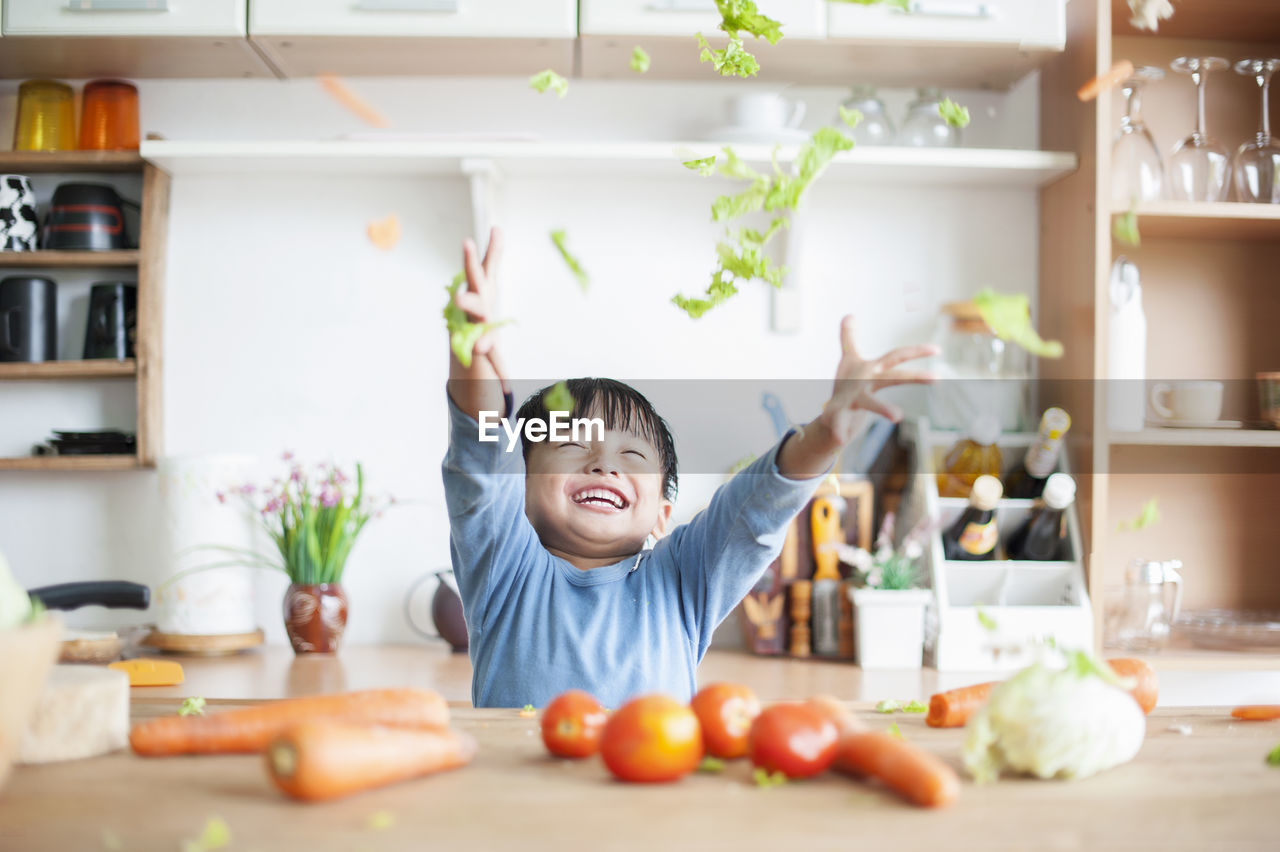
pixel 1208 788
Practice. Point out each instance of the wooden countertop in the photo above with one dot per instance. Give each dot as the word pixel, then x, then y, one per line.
pixel 1210 788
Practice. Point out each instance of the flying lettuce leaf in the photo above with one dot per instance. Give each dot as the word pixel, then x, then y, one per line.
pixel 851 117
pixel 1125 228
pixel 549 80
pixel 639 60
pixel 216 835
pixel 1149 515
pixel 705 166
pixel 463 333
pixel 742 16
pixel 193 706
pixel 559 238
pixel 955 115
pixel 559 398
pixel 1273 757
pixel 895 732
pixel 733 60
pixel 988 623
pixel 1009 318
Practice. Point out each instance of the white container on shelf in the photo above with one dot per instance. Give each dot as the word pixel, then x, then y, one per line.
pixel 1126 350
pixel 1028 602
pixel 890 627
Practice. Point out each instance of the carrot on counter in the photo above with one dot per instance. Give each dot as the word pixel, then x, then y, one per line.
pixel 952 709
pixel 1119 72
pixel 251 729
pixel 907 769
pixel 314 761
pixel 1257 712
pixel 1146 686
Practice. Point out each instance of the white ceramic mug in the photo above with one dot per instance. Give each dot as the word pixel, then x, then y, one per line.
pixel 763 112
pixel 1195 401
pixel 19 226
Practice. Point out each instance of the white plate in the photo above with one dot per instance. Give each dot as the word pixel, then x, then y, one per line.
pixel 758 136
pixel 1197 424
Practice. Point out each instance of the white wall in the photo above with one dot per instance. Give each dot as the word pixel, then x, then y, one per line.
pixel 286 329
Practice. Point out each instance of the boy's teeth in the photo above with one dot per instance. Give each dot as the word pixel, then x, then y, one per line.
pixel 599 494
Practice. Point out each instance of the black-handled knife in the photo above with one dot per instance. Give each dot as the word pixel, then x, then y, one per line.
pixel 116 594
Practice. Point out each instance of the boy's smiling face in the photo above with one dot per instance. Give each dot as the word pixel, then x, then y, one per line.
pixel 594 503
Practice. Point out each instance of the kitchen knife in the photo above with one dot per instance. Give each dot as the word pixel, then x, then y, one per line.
pixel 116 594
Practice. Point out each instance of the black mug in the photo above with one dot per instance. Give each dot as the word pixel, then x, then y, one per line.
pixel 86 217
pixel 28 319
pixel 113 320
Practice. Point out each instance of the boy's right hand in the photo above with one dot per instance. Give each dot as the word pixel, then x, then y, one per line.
pixel 478 391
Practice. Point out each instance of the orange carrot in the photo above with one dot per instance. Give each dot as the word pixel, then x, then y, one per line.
pixel 846 722
pixel 349 99
pixel 250 729
pixel 908 770
pixel 313 761
pixel 1257 712
pixel 952 709
pixel 1119 72
pixel 1146 687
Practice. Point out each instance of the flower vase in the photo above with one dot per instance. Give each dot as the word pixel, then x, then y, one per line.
pixel 315 617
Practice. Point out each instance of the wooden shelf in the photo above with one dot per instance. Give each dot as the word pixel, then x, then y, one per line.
pixel 71 463
pixel 69 259
pixel 1222 220
pixel 28 162
pixel 1180 656
pixel 934 166
pixel 1197 438
pixel 1218 20
pixel 90 369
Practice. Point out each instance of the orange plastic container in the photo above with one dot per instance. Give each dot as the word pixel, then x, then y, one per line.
pixel 109 117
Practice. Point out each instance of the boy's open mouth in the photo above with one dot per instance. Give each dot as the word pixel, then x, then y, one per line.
pixel 601 499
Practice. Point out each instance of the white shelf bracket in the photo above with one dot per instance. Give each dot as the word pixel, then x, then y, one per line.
pixel 485 179
pixel 786 307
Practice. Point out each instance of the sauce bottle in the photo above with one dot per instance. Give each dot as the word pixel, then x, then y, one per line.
pixel 1027 480
pixel 1043 537
pixel 974 455
pixel 974 535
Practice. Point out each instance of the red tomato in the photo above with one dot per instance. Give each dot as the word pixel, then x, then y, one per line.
pixel 652 738
pixel 798 740
pixel 726 711
pixel 572 724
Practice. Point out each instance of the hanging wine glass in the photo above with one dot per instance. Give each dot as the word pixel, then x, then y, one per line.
pixel 1257 164
pixel 1199 165
pixel 1137 170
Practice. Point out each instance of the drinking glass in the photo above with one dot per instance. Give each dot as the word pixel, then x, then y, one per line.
pixel 1137 170
pixel 924 126
pixel 1199 165
pixel 109 116
pixel 875 128
pixel 1257 164
pixel 46 117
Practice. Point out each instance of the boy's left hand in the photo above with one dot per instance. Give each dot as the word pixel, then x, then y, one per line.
pixel 857 381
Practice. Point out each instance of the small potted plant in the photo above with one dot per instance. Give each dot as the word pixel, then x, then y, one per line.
pixel 889 609
pixel 314 521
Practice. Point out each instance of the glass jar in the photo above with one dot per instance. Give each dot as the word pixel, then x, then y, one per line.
pixel 924 126
pixel 875 128
pixel 978 373
pixel 1140 614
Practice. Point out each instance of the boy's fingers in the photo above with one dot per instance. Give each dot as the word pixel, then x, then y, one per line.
pixel 879 406
pixel 472 303
pixel 905 377
pixel 475 272
pixel 907 353
pixel 846 336
pixel 493 253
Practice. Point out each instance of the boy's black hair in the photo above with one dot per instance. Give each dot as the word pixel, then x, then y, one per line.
pixel 621 407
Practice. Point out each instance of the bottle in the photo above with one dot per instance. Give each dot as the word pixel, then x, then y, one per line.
pixel 1028 478
pixel 974 535
pixel 1126 350
pixel 1043 537
pixel 974 455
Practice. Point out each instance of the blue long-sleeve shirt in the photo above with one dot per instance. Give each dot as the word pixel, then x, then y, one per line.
pixel 538 626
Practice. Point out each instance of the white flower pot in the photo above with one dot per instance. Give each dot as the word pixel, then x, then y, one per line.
pixel 890 627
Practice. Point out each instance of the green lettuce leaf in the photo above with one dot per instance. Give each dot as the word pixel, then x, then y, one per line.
pixel 742 16
pixel 987 622
pixel 1009 318
pixel 731 61
pixel 193 706
pixel 639 60
pixel 1273 757
pixel 895 731
pixel 549 80
pixel 463 333
pixel 711 764
pixel 380 820
pixel 1125 228
pixel 705 166
pixel 889 705
pixel 1149 515
pixel 559 238
pixel 955 115
pixel 851 117
pixel 559 398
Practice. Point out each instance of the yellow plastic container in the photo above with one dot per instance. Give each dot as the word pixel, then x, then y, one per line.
pixel 46 117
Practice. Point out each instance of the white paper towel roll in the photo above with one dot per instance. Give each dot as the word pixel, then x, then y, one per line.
pixel 219 600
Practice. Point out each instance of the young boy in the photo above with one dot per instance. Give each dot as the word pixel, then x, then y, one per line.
pixel 548 545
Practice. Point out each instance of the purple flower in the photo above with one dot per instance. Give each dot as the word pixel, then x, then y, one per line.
pixel 222 498
pixel 248 489
pixel 329 497
pixel 287 456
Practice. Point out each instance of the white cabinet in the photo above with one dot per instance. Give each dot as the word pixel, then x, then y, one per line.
pixel 124 17
pixel 1029 24
pixel 412 37
pixel 799 18
pixel 461 18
